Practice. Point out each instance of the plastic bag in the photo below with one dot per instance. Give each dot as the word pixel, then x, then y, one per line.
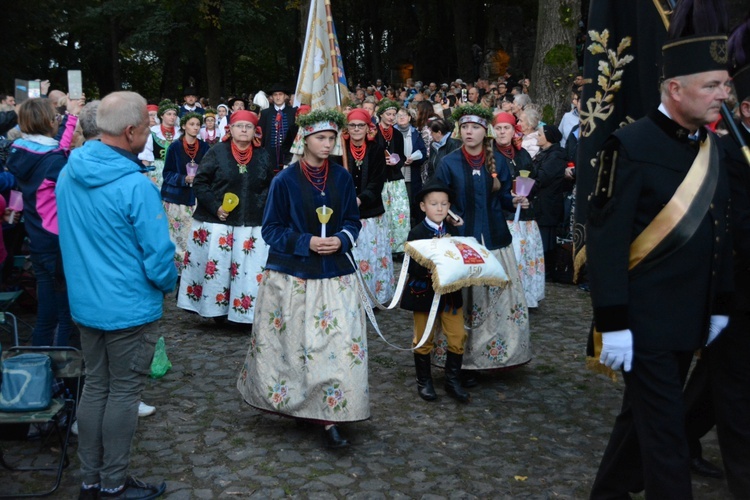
pixel 160 365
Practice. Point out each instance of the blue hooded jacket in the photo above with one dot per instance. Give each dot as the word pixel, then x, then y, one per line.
pixel 117 255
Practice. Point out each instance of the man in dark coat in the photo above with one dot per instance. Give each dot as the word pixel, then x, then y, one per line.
pixel 659 262
pixel 190 105
pixel 723 374
pixel 274 123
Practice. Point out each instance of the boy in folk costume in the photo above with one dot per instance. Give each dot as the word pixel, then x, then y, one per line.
pixel 418 295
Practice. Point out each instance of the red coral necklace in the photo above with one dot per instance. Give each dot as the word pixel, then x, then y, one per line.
pixel 358 152
pixel 474 161
pixel 167 132
pixel 190 149
pixel 317 176
pixel 242 157
pixel 387 133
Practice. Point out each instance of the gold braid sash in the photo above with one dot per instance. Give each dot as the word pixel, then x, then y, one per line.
pixel 676 223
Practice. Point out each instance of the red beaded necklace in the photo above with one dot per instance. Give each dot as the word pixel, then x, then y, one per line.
pixel 242 157
pixel 167 132
pixel 507 151
pixel 358 152
pixel 474 161
pixel 387 133
pixel 190 149
pixel 317 176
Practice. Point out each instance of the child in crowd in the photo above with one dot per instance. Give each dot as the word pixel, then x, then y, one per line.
pixel 435 198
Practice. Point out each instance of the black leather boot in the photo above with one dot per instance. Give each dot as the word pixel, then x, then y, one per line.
pixel 424 377
pixel 469 378
pixel 453 377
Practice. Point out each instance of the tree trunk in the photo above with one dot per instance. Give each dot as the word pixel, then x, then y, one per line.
pixel 554 58
pixel 114 40
pixel 213 53
pixel 463 43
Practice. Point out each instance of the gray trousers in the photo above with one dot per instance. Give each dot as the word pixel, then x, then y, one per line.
pixel 117 365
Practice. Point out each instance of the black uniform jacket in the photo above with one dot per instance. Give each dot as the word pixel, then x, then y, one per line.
pixel 739 175
pixel 418 293
pixel 666 305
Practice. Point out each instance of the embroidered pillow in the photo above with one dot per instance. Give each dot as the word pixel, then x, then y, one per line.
pixel 457 262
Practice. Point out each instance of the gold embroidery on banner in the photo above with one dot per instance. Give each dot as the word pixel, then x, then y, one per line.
pixel 601 106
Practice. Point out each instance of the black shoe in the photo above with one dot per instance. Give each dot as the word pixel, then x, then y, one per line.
pixel 136 490
pixel 89 493
pixel 425 388
pixel 469 378
pixel 705 468
pixel 334 439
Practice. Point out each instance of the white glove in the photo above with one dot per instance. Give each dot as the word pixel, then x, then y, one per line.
pixel 718 323
pixel 617 350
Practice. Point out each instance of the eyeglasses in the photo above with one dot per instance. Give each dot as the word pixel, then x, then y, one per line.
pixel 355 126
pixel 243 127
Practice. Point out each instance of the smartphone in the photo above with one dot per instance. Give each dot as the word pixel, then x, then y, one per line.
pixel 452 215
pixel 75 84
pixel 21 90
pixel 464 95
pixel 35 89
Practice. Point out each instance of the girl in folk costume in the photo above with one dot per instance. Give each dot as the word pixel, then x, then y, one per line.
pixel 308 353
pixel 395 196
pixel 498 317
pixel 527 241
pixel 366 162
pixel 226 253
pixel 180 166
pixel 159 140
pixel 209 133
pixel 222 119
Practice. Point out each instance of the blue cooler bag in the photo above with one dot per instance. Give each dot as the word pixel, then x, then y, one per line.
pixel 27 383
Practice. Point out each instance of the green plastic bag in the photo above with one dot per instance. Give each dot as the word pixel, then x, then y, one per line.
pixel 160 365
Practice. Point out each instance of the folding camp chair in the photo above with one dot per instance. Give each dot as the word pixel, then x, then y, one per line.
pixel 6 301
pixel 67 362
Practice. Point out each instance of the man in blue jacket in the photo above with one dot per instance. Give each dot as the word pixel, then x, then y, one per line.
pixel 116 250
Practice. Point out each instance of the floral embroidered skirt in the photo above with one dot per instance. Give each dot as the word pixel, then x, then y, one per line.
pixel 527 246
pixel 222 269
pixel 499 322
pixel 308 350
pixel 396 203
pixel 180 218
pixel 373 257
pixel 157 174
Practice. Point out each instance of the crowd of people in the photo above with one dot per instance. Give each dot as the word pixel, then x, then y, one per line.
pixel 266 215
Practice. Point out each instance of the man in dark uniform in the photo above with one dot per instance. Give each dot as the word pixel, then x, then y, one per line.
pixel 659 262
pixel 729 356
pixel 190 105
pixel 274 123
